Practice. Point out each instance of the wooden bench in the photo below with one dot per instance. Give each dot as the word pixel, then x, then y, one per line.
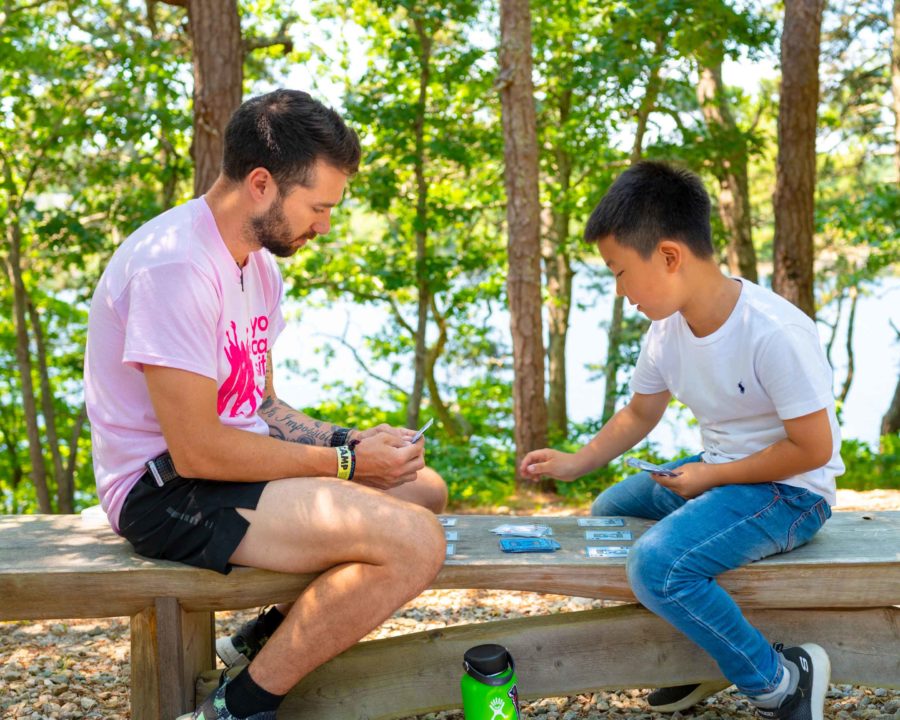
pixel 840 590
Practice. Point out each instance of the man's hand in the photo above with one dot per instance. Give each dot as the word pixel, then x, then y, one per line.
pixel 404 433
pixel 385 460
pixel 549 463
pixel 692 480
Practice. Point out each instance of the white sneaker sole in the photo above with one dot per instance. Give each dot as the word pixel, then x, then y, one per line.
pixel 228 654
pixel 821 676
pixel 703 690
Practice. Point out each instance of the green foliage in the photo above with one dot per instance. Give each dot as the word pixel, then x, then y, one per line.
pixel 91 145
pixel 871 468
pixel 431 178
pixel 95 136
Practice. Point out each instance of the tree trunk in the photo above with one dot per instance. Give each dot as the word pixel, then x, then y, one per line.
pixel 890 423
pixel 414 403
pixel 65 500
pixel 558 268
pixel 23 359
pixel 523 218
pixel 614 335
pixel 734 187
pixel 218 79
pixel 795 183
pixel 851 363
pixel 451 425
pixel 895 84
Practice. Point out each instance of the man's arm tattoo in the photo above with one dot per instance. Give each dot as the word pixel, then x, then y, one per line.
pixel 285 423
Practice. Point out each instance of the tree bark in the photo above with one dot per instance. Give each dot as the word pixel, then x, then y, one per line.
pixel 414 403
pixel 851 362
pixel 23 359
pixel 218 82
pixel 558 268
pixel 64 494
pixel 890 423
pixel 451 425
pixel 795 182
pixel 734 187
pixel 523 220
pixel 895 85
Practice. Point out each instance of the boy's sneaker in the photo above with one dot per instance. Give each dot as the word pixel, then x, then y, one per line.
pixel 245 644
pixel 682 697
pixel 213 708
pixel 807 701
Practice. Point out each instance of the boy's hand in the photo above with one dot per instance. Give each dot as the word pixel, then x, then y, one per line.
pixel 692 480
pixel 549 463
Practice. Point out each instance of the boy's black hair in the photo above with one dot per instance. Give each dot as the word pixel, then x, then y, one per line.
pixel 649 202
pixel 287 132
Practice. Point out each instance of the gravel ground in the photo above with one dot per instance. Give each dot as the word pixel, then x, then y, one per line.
pixel 80 668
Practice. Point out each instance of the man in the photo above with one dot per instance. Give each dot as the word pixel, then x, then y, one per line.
pixel 189 434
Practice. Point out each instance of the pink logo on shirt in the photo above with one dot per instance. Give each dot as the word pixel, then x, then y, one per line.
pixel 241 383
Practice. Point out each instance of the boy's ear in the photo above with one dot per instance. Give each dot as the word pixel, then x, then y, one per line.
pixel 672 253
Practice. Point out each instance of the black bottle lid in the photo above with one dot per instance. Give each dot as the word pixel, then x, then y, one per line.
pixel 488 659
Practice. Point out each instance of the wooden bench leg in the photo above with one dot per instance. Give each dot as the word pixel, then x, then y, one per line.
pixel 170 648
pixel 566 654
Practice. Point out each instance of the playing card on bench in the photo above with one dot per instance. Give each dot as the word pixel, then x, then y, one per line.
pixel 606 552
pixel 601 522
pixel 531 531
pixel 607 535
pixel 528 544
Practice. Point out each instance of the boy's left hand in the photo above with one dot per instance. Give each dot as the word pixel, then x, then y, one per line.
pixel 693 479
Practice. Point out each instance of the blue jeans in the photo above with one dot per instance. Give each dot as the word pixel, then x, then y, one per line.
pixel 671 568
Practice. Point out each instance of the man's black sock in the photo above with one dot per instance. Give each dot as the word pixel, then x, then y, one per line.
pixel 243 697
pixel 271 619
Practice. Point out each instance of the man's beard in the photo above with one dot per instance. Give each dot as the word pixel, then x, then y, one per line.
pixel 272 231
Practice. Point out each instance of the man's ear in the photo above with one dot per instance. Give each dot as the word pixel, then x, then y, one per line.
pixel 672 254
pixel 260 185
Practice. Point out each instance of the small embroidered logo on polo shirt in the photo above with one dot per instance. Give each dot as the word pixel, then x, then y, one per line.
pixel 741 387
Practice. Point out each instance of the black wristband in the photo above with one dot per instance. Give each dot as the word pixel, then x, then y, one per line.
pixel 339 437
pixel 352 462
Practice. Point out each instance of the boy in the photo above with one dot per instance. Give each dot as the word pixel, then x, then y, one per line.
pixel 749 366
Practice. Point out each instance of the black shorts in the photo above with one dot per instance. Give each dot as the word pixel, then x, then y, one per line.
pixel 187 520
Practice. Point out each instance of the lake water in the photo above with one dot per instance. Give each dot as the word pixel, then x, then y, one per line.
pixel 876 351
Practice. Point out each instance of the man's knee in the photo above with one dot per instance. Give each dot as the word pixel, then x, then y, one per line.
pixel 422 547
pixel 435 493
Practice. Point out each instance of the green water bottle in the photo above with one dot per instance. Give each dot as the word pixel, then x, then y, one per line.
pixel 489 690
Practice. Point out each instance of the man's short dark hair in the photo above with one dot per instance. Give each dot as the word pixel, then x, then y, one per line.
pixel 652 201
pixel 287 132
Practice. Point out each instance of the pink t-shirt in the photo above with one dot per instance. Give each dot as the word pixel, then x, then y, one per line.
pixel 173 296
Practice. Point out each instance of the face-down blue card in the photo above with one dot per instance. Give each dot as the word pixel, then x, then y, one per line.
pixel 521 545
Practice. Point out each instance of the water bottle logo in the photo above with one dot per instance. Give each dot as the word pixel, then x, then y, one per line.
pixel 514 696
pixel 497 706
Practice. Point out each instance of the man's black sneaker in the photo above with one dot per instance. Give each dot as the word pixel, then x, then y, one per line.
pixel 807 701
pixel 682 697
pixel 213 708
pixel 245 644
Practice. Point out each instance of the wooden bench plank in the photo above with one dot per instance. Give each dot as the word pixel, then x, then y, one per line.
pixel 54 567
pixel 571 653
